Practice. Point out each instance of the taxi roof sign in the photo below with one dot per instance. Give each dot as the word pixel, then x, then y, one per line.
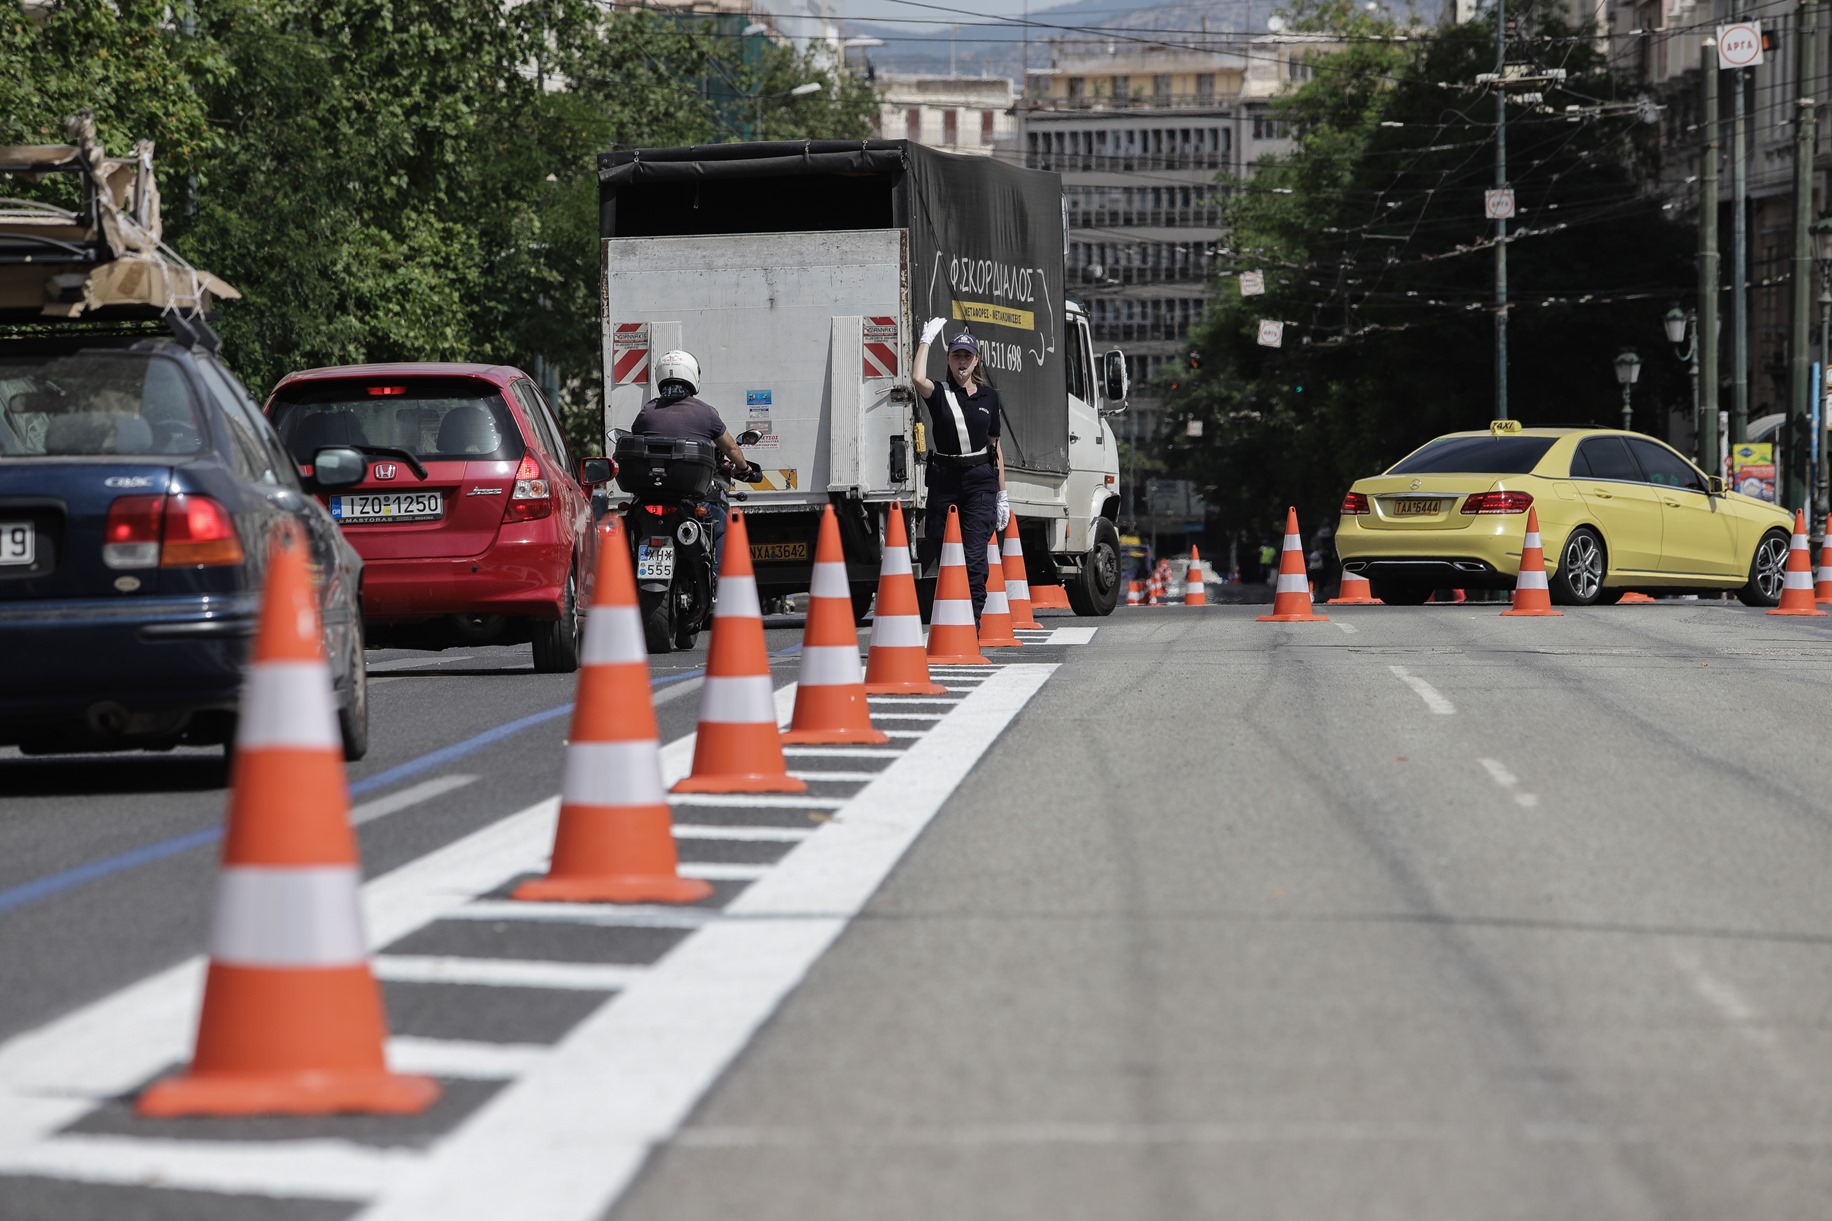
pixel 1500 427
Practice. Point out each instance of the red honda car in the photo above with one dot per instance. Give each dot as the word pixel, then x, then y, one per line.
pixel 474 523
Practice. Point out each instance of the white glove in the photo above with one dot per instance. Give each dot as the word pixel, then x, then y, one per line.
pixel 1004 511
pixel 931 329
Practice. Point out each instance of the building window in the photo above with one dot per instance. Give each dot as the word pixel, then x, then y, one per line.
pixel 1160 88
pixel 950 127
pixel 1078 90
pixel 1205 88
pixel 912 124
pixel 1122 90
pixel 985 127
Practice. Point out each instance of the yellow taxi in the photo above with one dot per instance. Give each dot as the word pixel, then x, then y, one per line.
pixel 1618 511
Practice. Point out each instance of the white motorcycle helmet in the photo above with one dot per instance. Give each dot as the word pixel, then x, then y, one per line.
pixel 679 368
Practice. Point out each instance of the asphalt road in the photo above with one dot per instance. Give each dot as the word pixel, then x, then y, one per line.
pixel 1417 913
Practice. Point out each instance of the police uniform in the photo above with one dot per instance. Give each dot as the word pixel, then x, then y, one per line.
pixel 963 471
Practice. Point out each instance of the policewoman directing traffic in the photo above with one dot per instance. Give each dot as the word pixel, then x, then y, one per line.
pixel 966 466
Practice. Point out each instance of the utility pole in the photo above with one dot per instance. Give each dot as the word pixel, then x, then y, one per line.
pixel 1797 480
pixel 1711 449
pixel 1501 222
pixel 1739 271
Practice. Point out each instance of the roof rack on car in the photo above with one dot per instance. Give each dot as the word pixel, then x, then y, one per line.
pixel 103 260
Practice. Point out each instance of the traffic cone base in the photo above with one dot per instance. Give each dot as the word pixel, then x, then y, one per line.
pixel 734 740
pixel 954 637
pixel 1049 597
pixel 1632 598
pixel 1532 594
pixel 1356 590
pixel 1291 597
pixel 898 663
pixel 830 707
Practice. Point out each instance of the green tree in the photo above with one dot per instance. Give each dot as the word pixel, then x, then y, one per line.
pixel 1378 260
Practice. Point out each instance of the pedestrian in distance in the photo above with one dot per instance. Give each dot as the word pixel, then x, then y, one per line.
pixel 966 468
pixel 680 414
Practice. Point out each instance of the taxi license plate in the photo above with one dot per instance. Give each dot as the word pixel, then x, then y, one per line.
pixel 1416 507
pixel 388 506
pixel 779 551
pixel 17 542
pixel 654 563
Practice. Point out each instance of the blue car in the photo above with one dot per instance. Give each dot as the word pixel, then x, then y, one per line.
pixel 139 489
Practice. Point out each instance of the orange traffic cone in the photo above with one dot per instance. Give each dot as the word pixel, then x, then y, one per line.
pixel 898 663
pixel 1193 592
pixel 830 695
pixel 1291 598
pixel 738 749
pixel 292 1020
pixel 995 618
pixel 1049 597
pixel 615 840
pixel 1355 591
pixel 1822 586
pixel 1017 580
pixel 1531 594
pixel 953 638
pixel 1632 597
pixel 1154 590
pixel 1135 593
pixel 1797 586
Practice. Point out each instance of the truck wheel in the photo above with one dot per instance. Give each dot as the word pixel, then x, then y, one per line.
pixel 862 596
pixel 1095 590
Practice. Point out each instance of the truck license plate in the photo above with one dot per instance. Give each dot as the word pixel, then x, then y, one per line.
pixel 388 506
pixel 17 542
pixel 654 563
pixel 778 551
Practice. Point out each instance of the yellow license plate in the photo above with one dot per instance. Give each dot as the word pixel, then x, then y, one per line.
pixel 778 551
pixel 1413 508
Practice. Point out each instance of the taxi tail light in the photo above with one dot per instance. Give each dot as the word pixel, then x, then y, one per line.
pixel 1355 504
pixel 198 531
pixel 1498 502
pixel 130 537
pixel 533 495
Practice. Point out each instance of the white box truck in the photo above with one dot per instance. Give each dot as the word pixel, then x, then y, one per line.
pixel 799 275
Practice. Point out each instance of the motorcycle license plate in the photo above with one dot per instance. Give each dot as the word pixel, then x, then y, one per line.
pixel 654 563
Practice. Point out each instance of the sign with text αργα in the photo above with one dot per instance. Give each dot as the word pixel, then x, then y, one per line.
pixel 1252 283
pixel 1739 44
pixel 1271 333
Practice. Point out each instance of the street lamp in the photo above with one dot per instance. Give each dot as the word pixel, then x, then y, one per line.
pixel 1821 231
pixel 1628 370
pixel 1682 330
pixel 799 91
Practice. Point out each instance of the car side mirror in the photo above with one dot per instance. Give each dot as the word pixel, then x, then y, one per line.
pixel 749 436
pixel 1117 381
pixel 1716 485
pixel 338 466
pixel 594 471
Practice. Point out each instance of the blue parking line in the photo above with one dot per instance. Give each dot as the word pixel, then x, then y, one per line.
pixel 31 892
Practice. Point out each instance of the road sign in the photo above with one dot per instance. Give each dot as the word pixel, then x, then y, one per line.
pixel 1271 333
pixel 1739 44
pixel 1498 204
pixel 1192 428
pixel 1252 283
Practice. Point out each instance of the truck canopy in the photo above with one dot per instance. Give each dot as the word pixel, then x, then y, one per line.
pixel 985 242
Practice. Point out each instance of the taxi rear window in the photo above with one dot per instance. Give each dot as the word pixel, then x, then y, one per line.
pixel 1475 456
pixel 439 418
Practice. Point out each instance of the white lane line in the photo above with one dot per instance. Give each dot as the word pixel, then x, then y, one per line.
pixel 647 915
pixel 898 701
pixel 1733 1006
pixel 462 1058
pixel 1349 628
pixel 1437 703
pixel 1071 635
pixel 313 1169
pixel 904 733
pixel 841 752
pixel 1499 773
pixel 720 871
pixel 757 801
pixel 412 795
pixel 504 972
pixel 834 775
pixel 715 831
pixel 575 1143
pixel 885 714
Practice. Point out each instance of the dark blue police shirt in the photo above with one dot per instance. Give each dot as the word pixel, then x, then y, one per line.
pixel 981 412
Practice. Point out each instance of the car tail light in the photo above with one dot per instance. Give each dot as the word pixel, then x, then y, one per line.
pixel 198 530
pixel 533 496
pixel 130 538
pixel 1498 502
pixel 387 389
pixel 176 531
pixel 1355 504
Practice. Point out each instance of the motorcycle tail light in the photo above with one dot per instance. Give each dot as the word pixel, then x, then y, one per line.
pixel 656 510
pixel 533 495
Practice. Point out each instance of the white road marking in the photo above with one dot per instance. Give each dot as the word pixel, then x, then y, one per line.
pixel 841 752
pixel 1507 780
pixel 1437 703
pixel 904 733
pixel 715 831
pixel 462 1058
pixel 1071 635
pixel 1744 1018
pixel 757 801
pixel 834 775
pixel 885 714
pixel 721 871
pixel 413 663
pixel 503 972
pixel 412 795
pixel 575 1144
pixel 647 915
pixel 899 700
pixel 314 1169
pixel 1350 628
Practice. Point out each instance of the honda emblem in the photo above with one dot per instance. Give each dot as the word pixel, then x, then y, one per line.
pixel 383 470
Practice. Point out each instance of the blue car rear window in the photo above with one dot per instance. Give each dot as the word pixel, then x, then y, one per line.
pixel 93 404
pixel 1475 456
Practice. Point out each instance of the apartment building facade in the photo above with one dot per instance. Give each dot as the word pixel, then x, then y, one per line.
pixel 957 114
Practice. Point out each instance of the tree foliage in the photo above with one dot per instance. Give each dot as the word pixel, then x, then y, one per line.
pixel 403 179
pixel 1377 257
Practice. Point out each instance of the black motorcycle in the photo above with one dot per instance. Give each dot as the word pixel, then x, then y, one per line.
pixel 670 532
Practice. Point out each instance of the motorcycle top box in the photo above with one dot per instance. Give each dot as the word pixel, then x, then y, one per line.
pixel 648 465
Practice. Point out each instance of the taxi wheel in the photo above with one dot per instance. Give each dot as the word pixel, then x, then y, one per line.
pixel 1581 566
pixel 1767 571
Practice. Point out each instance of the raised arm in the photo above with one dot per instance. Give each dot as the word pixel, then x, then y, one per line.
pixel 919 367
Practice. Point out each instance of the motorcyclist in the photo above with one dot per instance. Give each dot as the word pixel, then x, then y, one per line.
pixel 678 413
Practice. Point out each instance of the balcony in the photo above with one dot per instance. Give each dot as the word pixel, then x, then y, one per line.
pixel 1137 102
